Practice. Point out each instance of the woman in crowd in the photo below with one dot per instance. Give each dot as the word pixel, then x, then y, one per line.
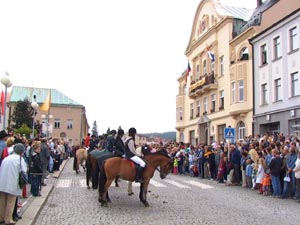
pixel 9 188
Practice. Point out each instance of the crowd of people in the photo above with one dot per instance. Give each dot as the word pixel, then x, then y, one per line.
pixel 268 164
pixel 36 159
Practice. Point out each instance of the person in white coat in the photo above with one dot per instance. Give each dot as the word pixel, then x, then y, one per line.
pixel 297 176
pixel 9 188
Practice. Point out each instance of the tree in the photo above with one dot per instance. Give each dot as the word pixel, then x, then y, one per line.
pixel 22 114
pixel 95 129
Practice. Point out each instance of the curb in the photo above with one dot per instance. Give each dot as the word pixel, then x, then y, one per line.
pixel 36 203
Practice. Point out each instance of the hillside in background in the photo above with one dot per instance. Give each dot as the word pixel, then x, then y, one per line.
pixel 171 135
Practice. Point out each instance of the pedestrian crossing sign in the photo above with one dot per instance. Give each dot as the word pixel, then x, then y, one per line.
pixel 229 133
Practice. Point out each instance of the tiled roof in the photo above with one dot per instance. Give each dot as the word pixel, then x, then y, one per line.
pixel 57 98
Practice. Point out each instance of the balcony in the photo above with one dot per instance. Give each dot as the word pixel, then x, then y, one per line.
pixel 205 84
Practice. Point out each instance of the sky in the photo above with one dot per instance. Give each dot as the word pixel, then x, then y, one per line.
pixel 120 59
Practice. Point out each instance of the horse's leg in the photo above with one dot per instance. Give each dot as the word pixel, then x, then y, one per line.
pixel 129 189
pixel 116 181
pixel 143 192
pixel 105 197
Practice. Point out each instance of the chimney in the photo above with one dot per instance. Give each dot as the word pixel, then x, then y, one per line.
pixel 259 3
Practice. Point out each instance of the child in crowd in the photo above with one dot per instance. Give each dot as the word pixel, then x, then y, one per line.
pixel 266 184
pixel 249 171
pixel 254 174
pixel 175 165
pixel 221 168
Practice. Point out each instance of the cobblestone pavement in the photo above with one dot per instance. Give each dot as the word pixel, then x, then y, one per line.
pixel 174 200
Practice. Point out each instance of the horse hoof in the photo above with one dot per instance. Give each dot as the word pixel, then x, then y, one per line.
pixel 130 193
pixel 104 204
pixel 146 204
pixel 88 187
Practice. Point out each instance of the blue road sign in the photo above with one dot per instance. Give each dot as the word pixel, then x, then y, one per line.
pixel 229 133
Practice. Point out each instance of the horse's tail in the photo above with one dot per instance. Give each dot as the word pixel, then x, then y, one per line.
pixel 102 178
pixel 95 175
pixel 88 169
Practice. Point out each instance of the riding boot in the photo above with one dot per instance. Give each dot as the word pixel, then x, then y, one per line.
pixel 139 174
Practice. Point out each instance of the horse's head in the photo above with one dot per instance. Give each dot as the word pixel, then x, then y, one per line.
pixel 167 166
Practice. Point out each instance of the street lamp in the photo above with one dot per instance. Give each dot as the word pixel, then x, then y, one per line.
pixel 35 106
pixel 5 80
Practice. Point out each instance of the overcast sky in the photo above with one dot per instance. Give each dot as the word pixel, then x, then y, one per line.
pixel 119 58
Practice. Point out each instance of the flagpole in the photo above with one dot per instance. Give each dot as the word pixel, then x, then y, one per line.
pixel 48 113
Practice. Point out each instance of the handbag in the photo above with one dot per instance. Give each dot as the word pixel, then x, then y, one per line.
pixel 287 178
pixel 23 179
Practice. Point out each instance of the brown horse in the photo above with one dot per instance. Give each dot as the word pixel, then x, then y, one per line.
pixel 121 167
pixel 93 169
pixel 80 158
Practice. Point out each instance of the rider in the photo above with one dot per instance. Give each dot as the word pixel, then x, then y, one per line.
pixel 119 144
pixel 131 154
pixel 110 141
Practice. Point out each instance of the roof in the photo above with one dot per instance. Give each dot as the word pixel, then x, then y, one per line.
pixel 235 12
pixel 19 93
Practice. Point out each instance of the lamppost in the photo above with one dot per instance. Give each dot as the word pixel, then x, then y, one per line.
pixel 35 106
pixel 5 80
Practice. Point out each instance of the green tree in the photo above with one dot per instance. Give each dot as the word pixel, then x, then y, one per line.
pixel 95 129
pixel 22 114
pixel 24 129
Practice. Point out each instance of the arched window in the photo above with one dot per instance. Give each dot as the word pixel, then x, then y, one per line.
pixel 244 54
pixel 241 130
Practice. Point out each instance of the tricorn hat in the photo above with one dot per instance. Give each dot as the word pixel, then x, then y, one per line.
pixel 3 134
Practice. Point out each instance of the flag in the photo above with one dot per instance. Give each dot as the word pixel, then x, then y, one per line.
pixel 210 55
pixel 187 72
pixel 2 102
pixel 46 104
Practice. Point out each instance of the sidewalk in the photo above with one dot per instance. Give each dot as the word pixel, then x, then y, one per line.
pixel 31 206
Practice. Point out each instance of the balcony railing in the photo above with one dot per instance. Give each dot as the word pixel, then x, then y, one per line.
pixel 206 83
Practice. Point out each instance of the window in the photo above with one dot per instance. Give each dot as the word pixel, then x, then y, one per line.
pixel 233 97
pixel 241 130
pixel 212 67
pixel 185 89
pixel 241 90
pixel 198 71
pixel 221 99
pixel 221 129
pixel 204 67
pixel 263 52
pixel 222 65
pixel 57 124
pixel 293 38
pixel 276 47
pixel 204 105
pixel 213 103
pixel 198 109
pixel 277 90
pixel 264 92
pixel 244 54
pixel 192 137
pixel 179 114
pixel 192 111
pixel 295 85
pixel 70 124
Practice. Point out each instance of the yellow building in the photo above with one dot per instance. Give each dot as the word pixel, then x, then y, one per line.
pixel 217 93
pixel 65 119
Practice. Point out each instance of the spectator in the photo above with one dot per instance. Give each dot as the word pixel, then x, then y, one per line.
pixel 9 188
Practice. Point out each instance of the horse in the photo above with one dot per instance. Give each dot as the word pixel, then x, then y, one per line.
pixel 95 158
pixel 80 158
pixel 123 168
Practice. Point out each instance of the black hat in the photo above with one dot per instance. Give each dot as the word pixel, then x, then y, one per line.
pixel 3 134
